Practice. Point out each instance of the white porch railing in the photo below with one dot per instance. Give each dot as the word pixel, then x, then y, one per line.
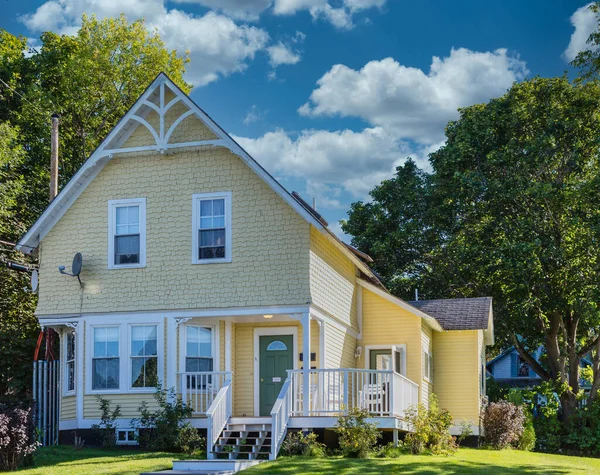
pixel 218 414
pixel 199 390
pixel 280 415
pixel 332 391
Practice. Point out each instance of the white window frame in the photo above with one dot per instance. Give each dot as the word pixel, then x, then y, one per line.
pixel 159 363
pixel 127 442
pixel 124 323
pixel 112 206
pixel 196 199
pixel 401 348
pixel 90 345
pixel 66 391
pixel 427 354
pixel 216 338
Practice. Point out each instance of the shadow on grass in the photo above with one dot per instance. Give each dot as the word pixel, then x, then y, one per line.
pixel 394 466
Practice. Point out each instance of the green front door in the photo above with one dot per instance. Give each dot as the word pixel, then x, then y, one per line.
pixel 276 357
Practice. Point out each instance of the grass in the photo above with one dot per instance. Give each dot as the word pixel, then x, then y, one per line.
pixel 65 460
pixel 465 462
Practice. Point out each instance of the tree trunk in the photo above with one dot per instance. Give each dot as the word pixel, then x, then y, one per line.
pixel 568 402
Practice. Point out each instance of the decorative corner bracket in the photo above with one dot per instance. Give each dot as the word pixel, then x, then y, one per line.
pixel 180 320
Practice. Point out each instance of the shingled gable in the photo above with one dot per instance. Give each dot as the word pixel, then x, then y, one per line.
pixel 153 99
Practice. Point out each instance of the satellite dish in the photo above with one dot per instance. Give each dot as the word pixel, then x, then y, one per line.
pixel 34 281
pixel 76 266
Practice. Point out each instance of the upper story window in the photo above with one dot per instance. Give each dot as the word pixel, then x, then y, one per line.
pixel 211 223
pixel 127 233
pixel 70 362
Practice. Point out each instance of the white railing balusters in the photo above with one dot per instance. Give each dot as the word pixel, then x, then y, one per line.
pixel 383 393
pixel 199 390
pixel 218 414
pixel 280 415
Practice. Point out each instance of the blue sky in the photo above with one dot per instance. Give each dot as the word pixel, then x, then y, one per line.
pixel 331 95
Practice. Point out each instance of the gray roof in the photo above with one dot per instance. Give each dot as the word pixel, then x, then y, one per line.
pixel 458 314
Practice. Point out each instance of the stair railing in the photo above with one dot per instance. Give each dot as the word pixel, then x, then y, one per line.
pixel 280 415
pixel 218 414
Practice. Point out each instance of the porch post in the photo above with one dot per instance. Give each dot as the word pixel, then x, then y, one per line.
pixel 228 344
pixel 306 361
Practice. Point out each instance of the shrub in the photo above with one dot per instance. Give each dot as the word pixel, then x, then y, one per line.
pixel 189 440
pixel 302 444
pixel 162 428
pixel 527 439
pixel 503 423
pixel 16 437
pixel 107 429
pixel 430 429
pixel 390 451
pixel 357 437
pixel 466 430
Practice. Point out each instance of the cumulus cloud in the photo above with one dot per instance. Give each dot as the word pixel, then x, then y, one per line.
pixel 240 9
pixel 224 47
pixel 585 23
pixel 281 54
pixel 344 160
pixel 254 115
pixel 414 104
pixel 339 15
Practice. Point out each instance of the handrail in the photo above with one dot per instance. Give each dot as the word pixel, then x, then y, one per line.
pixel 218 414
pixel 280 415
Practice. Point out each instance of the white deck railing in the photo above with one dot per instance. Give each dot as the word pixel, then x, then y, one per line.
pixel 199 390
pixel 332 391
pixel 218 414
pixel 280 415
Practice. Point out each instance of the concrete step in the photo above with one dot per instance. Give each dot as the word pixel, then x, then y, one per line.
pixel 212 466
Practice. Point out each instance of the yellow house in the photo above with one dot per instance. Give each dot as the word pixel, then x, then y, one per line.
pixel 201 272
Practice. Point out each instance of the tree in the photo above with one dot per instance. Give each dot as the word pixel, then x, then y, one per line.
pixel 514 203
pixel 90 79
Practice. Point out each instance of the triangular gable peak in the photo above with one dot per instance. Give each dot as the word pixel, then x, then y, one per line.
pixel 158 120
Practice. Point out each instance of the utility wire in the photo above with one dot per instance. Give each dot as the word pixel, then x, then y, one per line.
pixel 35 106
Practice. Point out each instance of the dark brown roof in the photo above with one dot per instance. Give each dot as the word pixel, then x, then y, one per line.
pixel 458 314
pixel 309 208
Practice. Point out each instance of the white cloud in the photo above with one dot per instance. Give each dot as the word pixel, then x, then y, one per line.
pixel 281 54
pixel 352 161
pixel 413 104
pixel 339 16
pixel 222 48
pixel 254 115
pixel 585 23
pixel 240 9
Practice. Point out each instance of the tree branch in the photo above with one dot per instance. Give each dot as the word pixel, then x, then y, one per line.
pixel 531 361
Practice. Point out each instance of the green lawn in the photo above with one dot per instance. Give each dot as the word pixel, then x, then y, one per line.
pixel 65 460
pixel 466 461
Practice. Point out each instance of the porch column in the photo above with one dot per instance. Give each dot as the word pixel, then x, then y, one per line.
pixel 228 344
pixel 306 360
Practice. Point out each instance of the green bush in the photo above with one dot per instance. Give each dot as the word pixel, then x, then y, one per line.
pixel 466 430
pixel 527 439
pixel 189 440
pixel 390 451
pixel 106 431
pixel 297 443
pixel 357 437
pixel 430 429
pixel 165 429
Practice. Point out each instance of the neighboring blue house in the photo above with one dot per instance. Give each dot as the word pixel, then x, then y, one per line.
pixel 509 369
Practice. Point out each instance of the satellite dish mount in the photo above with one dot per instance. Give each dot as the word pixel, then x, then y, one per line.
pixel 75 268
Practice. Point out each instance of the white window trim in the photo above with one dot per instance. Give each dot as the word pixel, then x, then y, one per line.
pixel 90 358
pixel 112 205
pixel 66 392
pixel 159 360
pixel 429 355
pixel 196 198
pixel 216 348
pixel 401 347
pixel 128 442
pixel 124 352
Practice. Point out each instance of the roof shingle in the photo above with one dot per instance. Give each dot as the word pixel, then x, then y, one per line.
pixel 458 314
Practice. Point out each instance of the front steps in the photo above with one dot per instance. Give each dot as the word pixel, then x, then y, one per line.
pixel 244 440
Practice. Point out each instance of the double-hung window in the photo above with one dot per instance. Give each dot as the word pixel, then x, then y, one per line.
pixel 198 355
pixel 427 365
pixel 70 362
pixel 211 223
pixel 127 233
pixel 105 358
pixel 144 356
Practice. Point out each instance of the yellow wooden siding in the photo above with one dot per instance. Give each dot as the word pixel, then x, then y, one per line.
pixel 339 348
pixel 455 381
pixel 68 408
pixel 243 378
pixel 332 279
pixel 129 403
pixel 270 243
pixel 387 324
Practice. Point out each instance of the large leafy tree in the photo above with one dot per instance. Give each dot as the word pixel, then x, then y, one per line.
pixel 90 79
pixel 514 204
